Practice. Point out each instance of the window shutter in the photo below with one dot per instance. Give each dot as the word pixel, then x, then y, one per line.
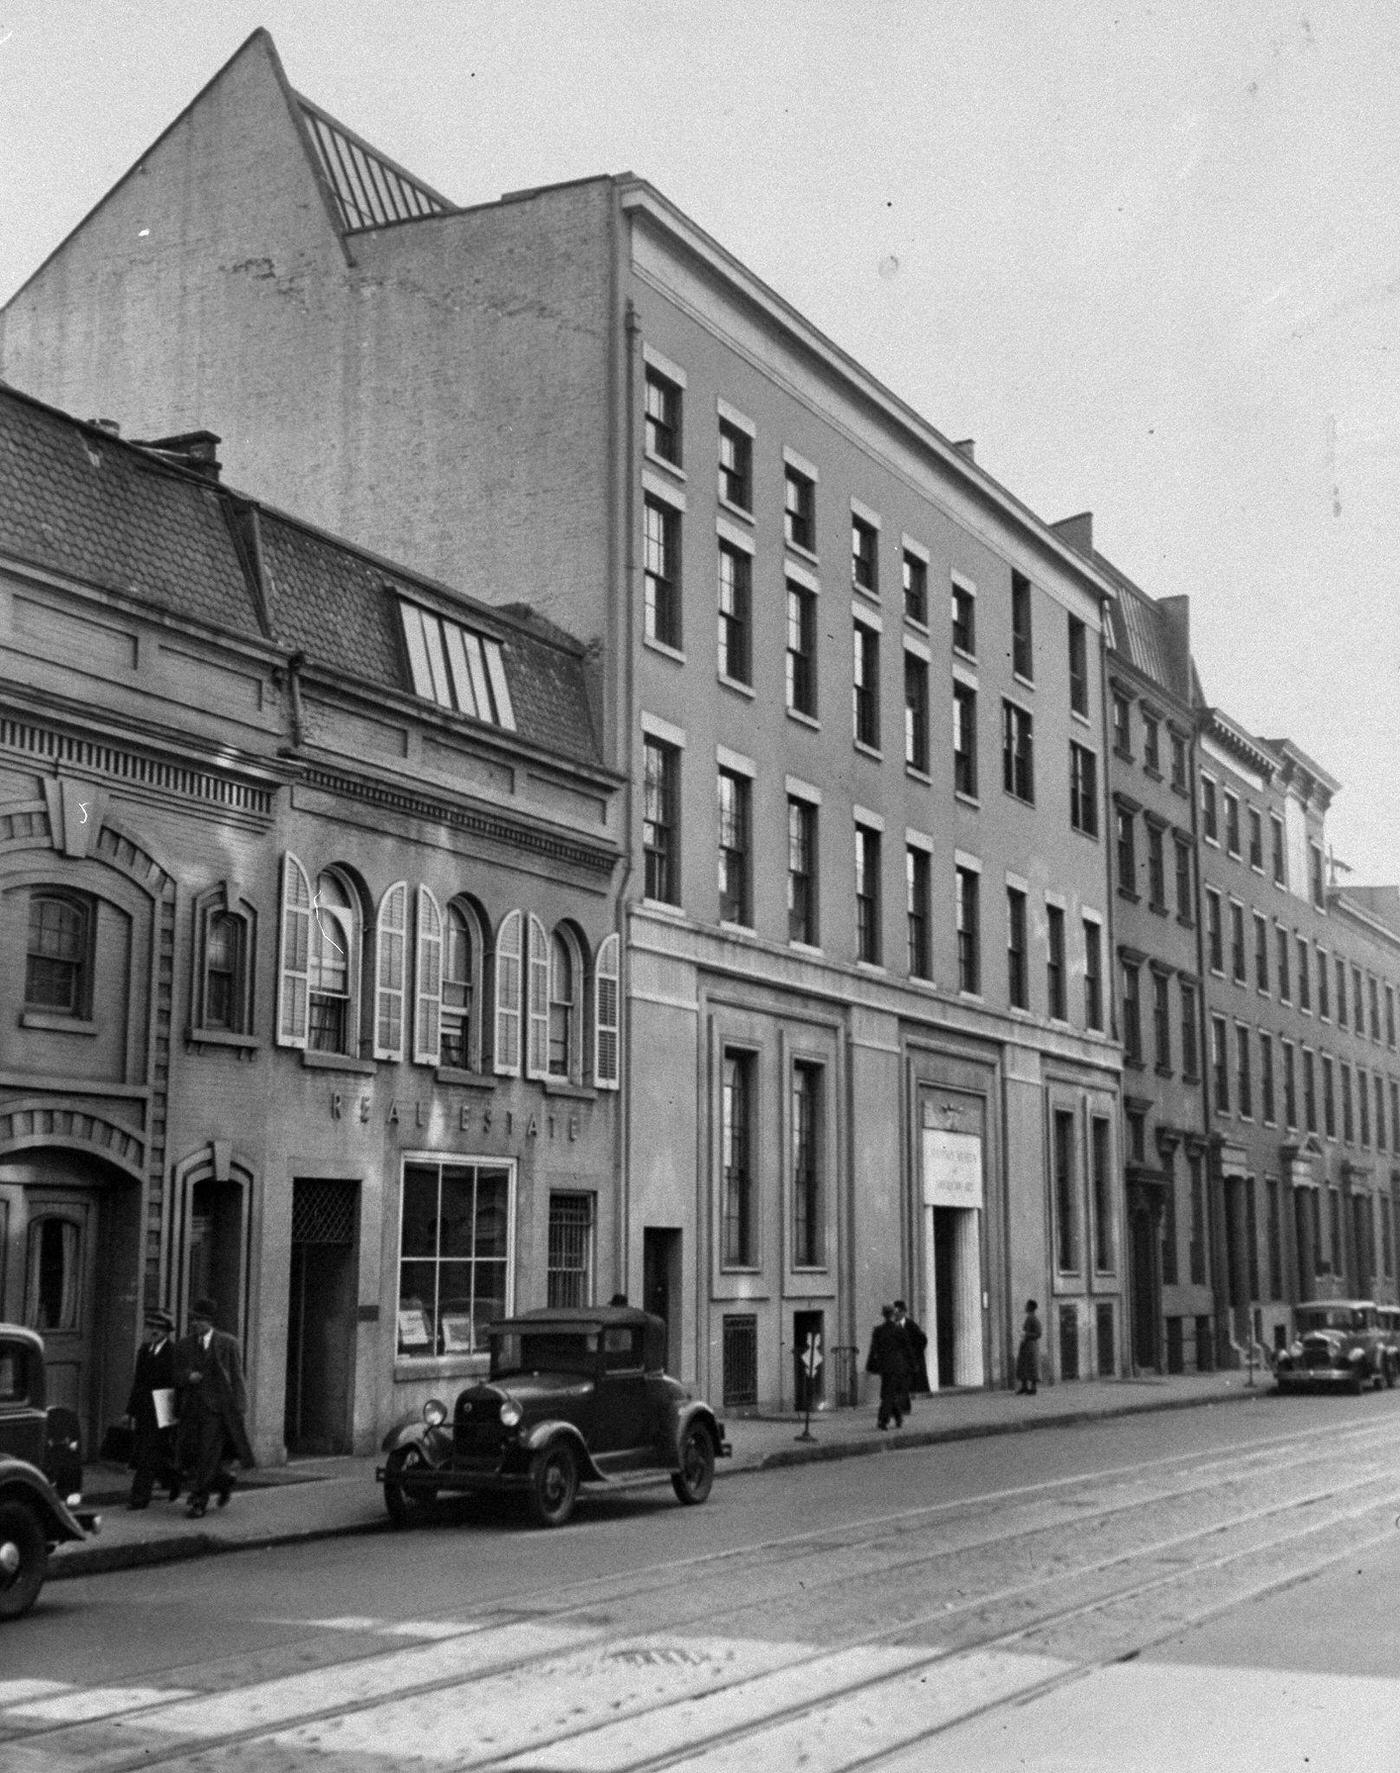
pixel 508 957
pixel 390 959
pixel 537 1047
pixel 427 973
pixel 606 1015
pixel 294 962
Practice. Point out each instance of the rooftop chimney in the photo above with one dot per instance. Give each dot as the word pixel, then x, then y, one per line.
pixel 197 451
pixel 1078 532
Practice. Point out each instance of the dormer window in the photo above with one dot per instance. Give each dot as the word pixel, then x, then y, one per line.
pixel 455 667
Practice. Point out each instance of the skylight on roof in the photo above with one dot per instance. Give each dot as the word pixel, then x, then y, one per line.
pixel 369 191
pixel 456 668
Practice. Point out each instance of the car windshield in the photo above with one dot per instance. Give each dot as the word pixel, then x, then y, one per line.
pixel 544 1351
pixel 1332 1317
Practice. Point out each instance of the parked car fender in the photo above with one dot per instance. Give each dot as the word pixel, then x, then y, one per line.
pixel 686 1414
pixel 411 1431
pixel 25 1483
pixel 544 1434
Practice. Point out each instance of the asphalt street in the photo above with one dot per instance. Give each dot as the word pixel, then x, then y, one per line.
pixel 1203 1588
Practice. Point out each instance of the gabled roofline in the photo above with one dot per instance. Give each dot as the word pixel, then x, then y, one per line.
pixel 638 196
pixel 261 36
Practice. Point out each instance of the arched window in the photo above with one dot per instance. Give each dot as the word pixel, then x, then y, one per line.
pixel 332 970
pixel 461 988
pixel 563 1006
pixel 57 973
pixel 223 970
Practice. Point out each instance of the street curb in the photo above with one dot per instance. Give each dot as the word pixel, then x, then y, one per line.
pixel 895 1440
pixel 93 1558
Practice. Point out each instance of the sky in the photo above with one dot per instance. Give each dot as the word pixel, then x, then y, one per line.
pixel 1147 256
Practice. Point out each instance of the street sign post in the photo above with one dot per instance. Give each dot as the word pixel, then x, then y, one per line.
pixel 811 1359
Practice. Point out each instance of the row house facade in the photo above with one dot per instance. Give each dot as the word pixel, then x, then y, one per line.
pixel 309 979
pixel 856 687
pixel 1301 976
pixel 1152 773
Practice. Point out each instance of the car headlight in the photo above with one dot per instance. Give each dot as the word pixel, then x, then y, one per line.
pixel 1296 1350
pixel 511 1413
pixel 434 1412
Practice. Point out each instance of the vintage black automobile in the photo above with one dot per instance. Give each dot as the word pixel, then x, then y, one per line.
pixel 40 1473
pixel 573 1396
pixel 1336 1342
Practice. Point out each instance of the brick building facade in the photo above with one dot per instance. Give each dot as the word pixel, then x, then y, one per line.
pixel 309 970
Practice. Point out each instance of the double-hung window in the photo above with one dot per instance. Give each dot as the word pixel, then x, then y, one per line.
pixel 735 466
pixel 916 748
pixel 799 509
pixel 915 589
pixel 1055 963
pixel 865 556
pixel 802 871
pixel 1017 751
pixel 801 649
pixel 867 894
pixel 1017 969
pixel 865 689
pixel 660 820
pixel 663 417
pixel 917 892
pixel 1022 651
pixel 661 571
pixel 965 739
pixel 735 614
pixel 1083 789
pixel 735 860
pixel 967 884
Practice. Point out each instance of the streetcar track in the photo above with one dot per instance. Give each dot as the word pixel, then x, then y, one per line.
pixel 1237 1465
pixel 659 1577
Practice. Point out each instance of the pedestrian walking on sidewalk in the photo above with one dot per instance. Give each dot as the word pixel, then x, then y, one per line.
pixel 918 1344
pixel 212 1400
pixel 150 1408
pixel 889 1357
pixel 1028 1354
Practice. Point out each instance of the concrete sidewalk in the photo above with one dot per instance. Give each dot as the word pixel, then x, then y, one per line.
pixel 322 1498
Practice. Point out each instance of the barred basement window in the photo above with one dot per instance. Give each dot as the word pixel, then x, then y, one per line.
pixel 569 1273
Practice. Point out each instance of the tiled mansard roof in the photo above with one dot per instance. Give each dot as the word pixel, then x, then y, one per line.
pixel 80 501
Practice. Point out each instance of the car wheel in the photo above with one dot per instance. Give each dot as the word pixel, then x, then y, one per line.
pixel 1357 1384
pixel 554 1485
pixel 405 1506
pixel 697 1473
pixel 1390 1375
pixel 24 1559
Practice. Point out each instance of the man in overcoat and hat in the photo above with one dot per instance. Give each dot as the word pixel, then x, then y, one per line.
pixel 153 1439
pixel 889 1358
pixel 212 1399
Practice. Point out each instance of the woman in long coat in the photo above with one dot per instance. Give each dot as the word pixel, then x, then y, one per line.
pixel 1028 1354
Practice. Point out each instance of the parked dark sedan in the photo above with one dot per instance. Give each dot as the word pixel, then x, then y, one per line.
pixel 40 1473
pixel 1336 1342
pixel 573 1396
